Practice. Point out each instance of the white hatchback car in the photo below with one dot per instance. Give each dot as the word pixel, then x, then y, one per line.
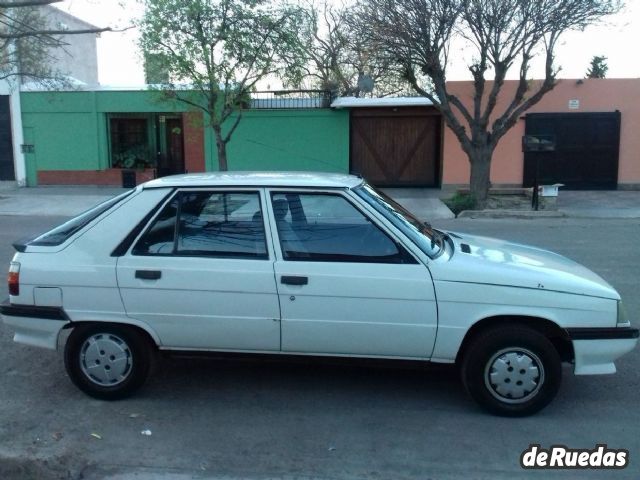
pixel 311 264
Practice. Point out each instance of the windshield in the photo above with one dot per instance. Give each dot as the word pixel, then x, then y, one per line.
pixel 62 232
pixel 425 237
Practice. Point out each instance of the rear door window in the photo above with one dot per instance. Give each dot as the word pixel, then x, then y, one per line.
pixel 205 223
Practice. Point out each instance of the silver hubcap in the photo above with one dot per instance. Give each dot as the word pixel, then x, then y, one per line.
pixel 514 375
pixel 106 359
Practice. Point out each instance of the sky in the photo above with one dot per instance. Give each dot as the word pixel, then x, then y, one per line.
pixel 119 59
pixel 618 39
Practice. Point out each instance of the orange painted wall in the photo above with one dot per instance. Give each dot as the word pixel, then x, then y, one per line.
pixel 595 95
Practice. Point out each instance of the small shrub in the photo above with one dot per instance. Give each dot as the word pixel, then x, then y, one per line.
pixel 459 202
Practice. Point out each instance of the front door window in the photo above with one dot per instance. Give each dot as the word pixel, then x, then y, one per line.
pixel 327 227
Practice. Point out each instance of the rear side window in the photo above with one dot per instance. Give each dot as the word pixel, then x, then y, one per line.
pixel 216 224
pixel 62 233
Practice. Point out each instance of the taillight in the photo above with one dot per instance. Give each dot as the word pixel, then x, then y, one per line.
pixel 13 279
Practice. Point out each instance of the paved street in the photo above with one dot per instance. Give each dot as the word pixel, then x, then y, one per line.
pixel 249 420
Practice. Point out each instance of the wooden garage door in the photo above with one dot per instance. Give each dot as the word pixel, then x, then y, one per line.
pixel 396 147
pixel 586 154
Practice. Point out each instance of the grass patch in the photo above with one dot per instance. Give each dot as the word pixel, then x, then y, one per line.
pixel 459 202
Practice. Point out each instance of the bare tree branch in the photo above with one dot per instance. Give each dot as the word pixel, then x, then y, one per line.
pixel 417 36
pixel 27 3
pixel 340 57
pixel 43 33
pixel 29 46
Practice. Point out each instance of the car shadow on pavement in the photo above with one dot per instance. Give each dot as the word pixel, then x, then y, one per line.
pixel 304 379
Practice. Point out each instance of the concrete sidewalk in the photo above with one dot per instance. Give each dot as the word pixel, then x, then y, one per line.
pixel 70 201
pixel 52 201
pixel 423 202
pixel 574 204
pixel 600 204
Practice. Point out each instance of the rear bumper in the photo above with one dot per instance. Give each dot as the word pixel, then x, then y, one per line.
pixel 596 349
pixel 32 311
pixel 35 326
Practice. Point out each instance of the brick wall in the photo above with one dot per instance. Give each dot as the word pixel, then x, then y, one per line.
pixel 108 177
pixel 193 128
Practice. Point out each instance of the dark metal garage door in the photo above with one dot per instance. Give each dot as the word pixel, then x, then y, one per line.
pixel 6 145
pixel 586 154
pixel 396 146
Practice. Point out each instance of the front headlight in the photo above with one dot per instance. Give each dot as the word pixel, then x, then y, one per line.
pixel 623 321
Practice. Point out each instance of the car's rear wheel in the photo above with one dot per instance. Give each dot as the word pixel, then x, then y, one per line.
pixel 108 361
pixel 511 371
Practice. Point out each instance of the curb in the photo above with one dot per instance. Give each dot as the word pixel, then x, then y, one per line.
pixel 603 213
pixel 526 214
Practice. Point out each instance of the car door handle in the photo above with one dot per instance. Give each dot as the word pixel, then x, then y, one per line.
pixel 294 280
pixel 148 274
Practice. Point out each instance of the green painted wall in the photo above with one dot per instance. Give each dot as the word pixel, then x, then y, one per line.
pixel 310 140
pixel 98 101
pixel 64 141
pixel 69 131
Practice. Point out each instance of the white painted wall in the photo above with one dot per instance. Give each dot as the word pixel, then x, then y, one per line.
pixel 10 87
pixel 79 58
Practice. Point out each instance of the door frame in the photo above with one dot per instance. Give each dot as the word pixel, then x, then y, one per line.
pixel 124 263
pixel 162 138
pixel 382 224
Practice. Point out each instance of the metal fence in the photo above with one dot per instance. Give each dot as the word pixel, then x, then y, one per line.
pixel 291 99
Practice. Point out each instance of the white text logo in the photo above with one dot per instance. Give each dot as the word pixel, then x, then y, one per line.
pixel 560 456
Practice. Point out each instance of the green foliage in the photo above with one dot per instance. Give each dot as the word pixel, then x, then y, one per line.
pixel 154 72
pixel 598 67
pixel 134 157
pixel 460 202
pixel 215 51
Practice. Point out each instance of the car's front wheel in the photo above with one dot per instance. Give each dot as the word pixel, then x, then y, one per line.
pixel 511 370
pixel 108 361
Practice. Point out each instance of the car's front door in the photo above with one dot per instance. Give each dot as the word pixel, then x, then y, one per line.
pixel 201 275
pixel 346 286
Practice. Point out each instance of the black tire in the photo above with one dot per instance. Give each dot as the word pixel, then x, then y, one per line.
pixel 108 361
pixel 491 375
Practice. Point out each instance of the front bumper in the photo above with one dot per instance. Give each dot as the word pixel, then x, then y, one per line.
pixel 596 349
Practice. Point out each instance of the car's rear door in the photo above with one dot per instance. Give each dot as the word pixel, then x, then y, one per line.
pixel 346 284
pixel 201 273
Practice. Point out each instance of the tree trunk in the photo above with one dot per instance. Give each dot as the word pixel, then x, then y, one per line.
pixel 480 176
pixel 222 150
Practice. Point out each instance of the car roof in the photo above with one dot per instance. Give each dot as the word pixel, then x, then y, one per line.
pixel 257 179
